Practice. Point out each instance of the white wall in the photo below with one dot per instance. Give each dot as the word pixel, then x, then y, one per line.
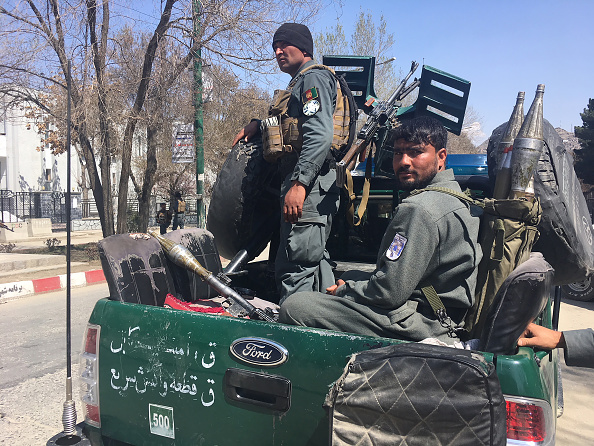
pixel 22 166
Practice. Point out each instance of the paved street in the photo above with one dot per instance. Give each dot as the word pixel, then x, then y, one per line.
pixel 33 364
pixel 32 367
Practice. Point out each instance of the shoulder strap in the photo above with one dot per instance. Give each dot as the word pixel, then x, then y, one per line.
pixel 319 66
pixel 453 193
pixel 428 291
pixel 364 196
pixel 440 311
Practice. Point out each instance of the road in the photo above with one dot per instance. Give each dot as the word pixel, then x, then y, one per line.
pixel 33 364
pixel 33 368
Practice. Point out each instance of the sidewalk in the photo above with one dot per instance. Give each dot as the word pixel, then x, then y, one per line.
pixel 47 266
pixel 16 264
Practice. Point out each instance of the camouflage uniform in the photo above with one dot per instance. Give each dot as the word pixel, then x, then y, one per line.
pixel 302 262
pixel 432 240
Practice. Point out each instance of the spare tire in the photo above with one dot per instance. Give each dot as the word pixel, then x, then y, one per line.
pixel 244 209
pixel 582 291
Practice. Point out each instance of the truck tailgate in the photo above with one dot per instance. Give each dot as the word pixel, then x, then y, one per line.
pixel 168 377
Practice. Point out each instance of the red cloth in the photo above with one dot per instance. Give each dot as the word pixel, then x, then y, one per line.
pixel 173 302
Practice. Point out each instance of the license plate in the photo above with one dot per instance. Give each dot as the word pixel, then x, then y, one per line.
pixel 161 420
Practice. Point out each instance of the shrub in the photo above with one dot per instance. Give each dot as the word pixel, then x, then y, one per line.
pixel 7 247
pixel 92 252
pixel 51 243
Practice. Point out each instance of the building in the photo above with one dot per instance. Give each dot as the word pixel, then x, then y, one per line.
pixel 26 165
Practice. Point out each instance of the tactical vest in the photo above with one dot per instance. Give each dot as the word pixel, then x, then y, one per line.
pixel 283 134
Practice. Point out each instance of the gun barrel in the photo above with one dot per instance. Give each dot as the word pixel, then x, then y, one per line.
pixel 227 291
pixel 395 96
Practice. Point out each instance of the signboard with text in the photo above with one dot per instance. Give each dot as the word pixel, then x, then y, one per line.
pixel 183 144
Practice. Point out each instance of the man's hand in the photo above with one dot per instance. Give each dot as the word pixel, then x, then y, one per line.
pixel 294 199
pixel 247 132
pixel 541 337
pixel 332 289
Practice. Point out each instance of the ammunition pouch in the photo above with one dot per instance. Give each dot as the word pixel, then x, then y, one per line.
pixel 283 134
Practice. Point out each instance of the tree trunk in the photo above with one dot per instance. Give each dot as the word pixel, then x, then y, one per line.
pixel 149 175
pixel 147 67
pixel 96 186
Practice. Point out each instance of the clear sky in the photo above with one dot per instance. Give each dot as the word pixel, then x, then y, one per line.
pixel 501 47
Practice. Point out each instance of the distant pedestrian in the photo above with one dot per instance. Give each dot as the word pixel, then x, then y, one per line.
pixel 163 218
pixel 178 207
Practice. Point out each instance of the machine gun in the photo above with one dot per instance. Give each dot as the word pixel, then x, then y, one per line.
pixel 441 95
pixel 379 113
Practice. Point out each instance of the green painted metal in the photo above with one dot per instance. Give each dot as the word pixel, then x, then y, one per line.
pixel 151 355
pixel 198 118
pixel 443 96
pixel 358 72
pixel 176 359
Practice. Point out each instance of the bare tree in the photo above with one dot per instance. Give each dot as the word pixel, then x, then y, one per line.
pixel 40 37
pixel 369 38
pixel 169 102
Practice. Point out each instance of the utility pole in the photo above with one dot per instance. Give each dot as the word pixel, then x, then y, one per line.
pixel 198 117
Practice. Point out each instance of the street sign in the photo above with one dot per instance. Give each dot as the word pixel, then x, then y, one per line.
pixel 183 144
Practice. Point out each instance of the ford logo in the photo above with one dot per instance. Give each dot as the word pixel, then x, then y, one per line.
pixel 260 352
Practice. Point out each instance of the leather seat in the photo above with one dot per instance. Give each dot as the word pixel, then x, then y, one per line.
pixel 521 298
pixel 200 243
pixel 136 269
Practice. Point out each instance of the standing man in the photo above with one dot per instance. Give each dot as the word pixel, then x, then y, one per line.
pixel 431 241
pixel 163 218
pixel 178 207
pixel 309 195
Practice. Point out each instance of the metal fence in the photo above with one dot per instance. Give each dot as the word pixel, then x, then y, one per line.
pixel 18 206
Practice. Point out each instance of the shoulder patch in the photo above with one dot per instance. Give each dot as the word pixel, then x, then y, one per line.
pixel 311 107
pixel 310 94
pixel 396 247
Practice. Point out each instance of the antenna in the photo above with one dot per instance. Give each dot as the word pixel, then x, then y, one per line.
pixel 70 435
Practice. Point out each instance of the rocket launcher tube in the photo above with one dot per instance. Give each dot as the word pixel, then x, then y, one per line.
pixel 181 256
pixel 511 129
pixel 504 149
pixel 528 147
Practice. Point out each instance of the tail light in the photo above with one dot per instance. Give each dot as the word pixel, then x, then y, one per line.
pixel 529 422
pixel 90 375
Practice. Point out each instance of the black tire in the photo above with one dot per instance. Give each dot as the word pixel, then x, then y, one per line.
pixel 582 291
pixel 244 210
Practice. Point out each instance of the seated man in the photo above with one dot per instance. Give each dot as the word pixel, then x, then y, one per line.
pixel 431 240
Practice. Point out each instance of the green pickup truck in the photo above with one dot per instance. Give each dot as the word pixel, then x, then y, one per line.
pixel 157 375
pixel 154 374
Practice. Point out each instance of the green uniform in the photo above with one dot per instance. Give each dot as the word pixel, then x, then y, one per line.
pixel 432 240
pixel 302 262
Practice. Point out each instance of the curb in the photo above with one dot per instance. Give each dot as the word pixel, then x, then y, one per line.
pixel 27 287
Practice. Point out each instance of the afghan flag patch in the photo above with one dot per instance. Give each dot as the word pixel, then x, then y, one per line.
pixel 310 94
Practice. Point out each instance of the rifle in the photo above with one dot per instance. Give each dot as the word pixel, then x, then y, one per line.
pixel 379 114
pixel 181 256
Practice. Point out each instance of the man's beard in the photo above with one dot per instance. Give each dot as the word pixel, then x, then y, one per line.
pixel 419 182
